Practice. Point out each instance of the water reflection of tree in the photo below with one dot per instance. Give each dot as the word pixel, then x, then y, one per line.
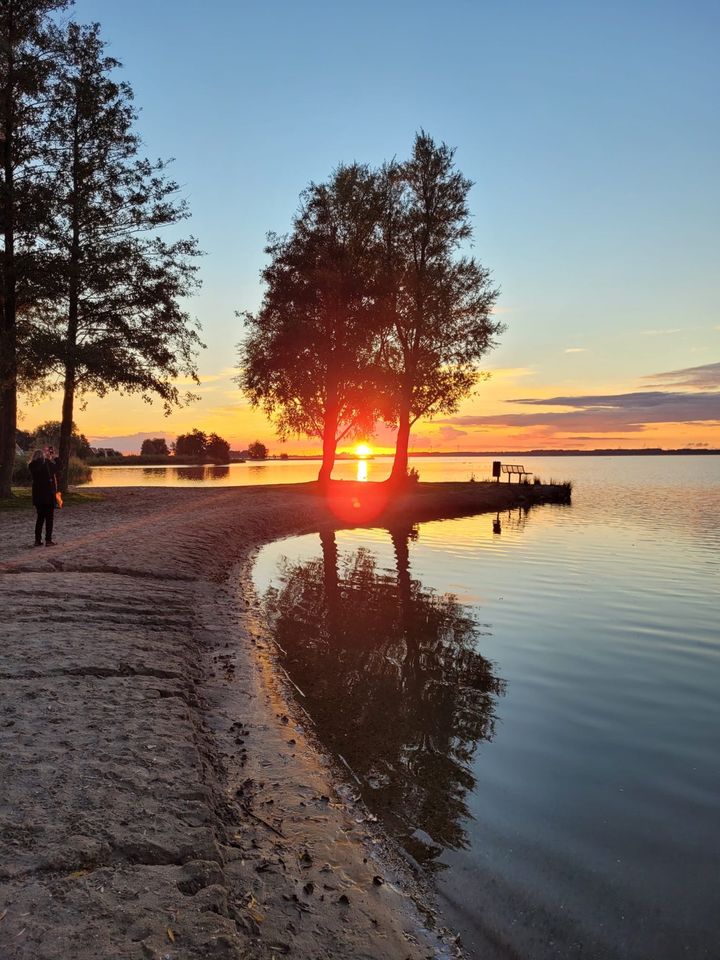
pixel 196 474
pixel 203 472
pixel 393 681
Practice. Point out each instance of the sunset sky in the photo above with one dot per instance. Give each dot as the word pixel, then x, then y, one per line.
pixel 590 130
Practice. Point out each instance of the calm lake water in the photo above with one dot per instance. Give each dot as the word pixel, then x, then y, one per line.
pixel 531 702
pixel 298 471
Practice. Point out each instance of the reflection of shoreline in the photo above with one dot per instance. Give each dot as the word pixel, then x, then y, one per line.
pixel 393 681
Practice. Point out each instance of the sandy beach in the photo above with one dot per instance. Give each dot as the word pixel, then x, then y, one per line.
pixel 162 793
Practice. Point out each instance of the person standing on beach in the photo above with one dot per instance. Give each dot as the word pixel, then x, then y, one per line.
pixel 43 471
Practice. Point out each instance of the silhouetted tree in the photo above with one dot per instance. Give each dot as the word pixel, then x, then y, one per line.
pixel 115 319
pixel 436 304
pixel 257 451
pixel 23 438
pixel 156 447
pixel 217 448
pixel 307 357
pixel 191 444
pixel 24 193
pixel 48 434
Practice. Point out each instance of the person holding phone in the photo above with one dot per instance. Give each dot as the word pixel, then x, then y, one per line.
pixel 43 470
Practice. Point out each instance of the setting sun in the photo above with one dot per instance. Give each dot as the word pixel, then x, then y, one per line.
pixel 363 450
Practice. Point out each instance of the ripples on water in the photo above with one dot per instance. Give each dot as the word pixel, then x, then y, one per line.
pixel 530 701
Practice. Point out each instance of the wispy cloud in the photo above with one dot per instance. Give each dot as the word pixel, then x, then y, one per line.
pixel 576 350
pixel 661 333
pixel 602 413
pixel 705 377
pixel 130 441
pixel 450 433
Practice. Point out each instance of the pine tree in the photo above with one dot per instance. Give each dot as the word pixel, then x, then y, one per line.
pixel 115 318
pixel 25 66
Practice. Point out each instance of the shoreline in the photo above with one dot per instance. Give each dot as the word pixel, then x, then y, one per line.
pixel 166 797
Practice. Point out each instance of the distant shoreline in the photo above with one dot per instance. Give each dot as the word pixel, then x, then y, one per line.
pixel 134 460
pixel 519 454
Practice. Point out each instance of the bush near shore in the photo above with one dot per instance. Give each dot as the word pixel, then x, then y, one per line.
pixel 79 471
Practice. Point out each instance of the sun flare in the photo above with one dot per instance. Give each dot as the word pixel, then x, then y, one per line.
pixel 363 450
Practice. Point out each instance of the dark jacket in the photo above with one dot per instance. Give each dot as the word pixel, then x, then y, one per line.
pixel 44 482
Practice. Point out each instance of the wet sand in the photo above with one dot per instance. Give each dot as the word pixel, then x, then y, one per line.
pixel 162 795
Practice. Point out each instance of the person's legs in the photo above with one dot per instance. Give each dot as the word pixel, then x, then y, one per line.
pixel 39 524
pixel 49 517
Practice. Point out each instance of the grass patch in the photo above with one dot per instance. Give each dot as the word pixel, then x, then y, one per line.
pixel 565 485
pixel 22 499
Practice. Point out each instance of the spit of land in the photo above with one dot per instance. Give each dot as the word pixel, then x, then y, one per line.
pixel 161 794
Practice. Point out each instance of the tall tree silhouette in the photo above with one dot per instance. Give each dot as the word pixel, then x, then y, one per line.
pixel 115 319
pixel 436 303
pixel 24 69
pixel 308 353
pixel 393 681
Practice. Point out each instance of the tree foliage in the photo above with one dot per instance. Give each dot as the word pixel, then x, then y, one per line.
pixel 48 434
pixel 113 319
pixel 191 444
pixel 25 31
pixel 199 445
pixel 372 308
pixel 156 447
pixel 23 438
pixel 217 448
pixel 436 302
pixel 257 451
pixel 307 358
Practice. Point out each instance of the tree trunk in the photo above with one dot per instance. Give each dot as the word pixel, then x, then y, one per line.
pixel 329 444
pixel 398 475
pixel 73 314
pixel 400 537
pixel 66 426
pixel 8 333
pixel 331 580
pixel 8 403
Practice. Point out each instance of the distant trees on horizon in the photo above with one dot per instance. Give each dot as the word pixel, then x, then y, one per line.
pixel 155 447
pixel 372 311
pixel 48 434
pixel 198 445
pixel 257 451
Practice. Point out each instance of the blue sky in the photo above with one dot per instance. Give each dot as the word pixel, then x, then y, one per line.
pixel 591 132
